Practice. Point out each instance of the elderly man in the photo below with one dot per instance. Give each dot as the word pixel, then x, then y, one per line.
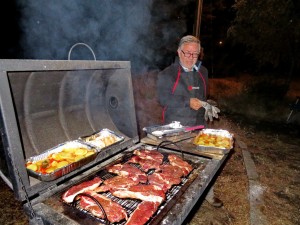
pixel 182 92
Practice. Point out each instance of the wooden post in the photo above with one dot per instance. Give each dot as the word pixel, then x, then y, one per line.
pixel 198 19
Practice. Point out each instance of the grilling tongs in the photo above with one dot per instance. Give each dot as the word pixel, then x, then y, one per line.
pixel 176 130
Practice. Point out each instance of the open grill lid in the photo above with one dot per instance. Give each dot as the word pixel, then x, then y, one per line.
pixel 44 103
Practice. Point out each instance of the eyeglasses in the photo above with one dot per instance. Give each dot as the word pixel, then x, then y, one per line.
pixel 187 54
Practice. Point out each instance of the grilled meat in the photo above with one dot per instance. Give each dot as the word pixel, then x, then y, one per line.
pixel 149 154
pixel 164 181
pixel 114 211
pixel 128 170
pixel 176 160
pixel 142 192
pixel 117 182
pixel 146 164
pixel 175 171
pixel 90 185
pixel 142 213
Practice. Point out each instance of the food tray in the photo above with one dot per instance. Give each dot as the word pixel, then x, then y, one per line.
pixel 63 170
pixel 102 139
pixel 215 140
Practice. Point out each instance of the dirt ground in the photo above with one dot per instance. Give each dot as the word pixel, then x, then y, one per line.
pixel 276 155
pixel 275 150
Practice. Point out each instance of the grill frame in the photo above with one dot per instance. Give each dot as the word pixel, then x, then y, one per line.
pixel 176 211
pixel 33 193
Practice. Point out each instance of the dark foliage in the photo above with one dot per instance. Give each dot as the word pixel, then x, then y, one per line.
pixel 269 30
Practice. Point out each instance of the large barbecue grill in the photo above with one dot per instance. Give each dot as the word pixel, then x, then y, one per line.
pixel 46 103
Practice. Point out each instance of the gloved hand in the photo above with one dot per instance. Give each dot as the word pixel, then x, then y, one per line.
pixel 210 111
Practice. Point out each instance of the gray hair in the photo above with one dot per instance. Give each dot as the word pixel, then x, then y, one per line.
pixel 189 39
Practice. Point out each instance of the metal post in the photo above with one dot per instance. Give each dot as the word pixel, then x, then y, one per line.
pixel 198 19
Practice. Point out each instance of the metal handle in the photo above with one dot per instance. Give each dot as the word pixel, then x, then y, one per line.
pixel 165 143
pixel 69 55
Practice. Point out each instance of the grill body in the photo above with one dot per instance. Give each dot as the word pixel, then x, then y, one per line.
pixel 44 103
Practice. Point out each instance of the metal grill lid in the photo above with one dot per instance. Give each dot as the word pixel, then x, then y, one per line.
pixel 44 103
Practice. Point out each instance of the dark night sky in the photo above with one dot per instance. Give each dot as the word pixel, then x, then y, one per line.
pixel 10 34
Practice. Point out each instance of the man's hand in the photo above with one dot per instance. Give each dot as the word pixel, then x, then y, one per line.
pixel 210 111
pixel 195 103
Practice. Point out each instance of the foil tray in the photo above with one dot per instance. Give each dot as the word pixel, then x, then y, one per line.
pixel 64 170
pixel 95 140
pixel 209 146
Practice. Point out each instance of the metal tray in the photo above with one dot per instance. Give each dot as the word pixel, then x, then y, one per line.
pixel 214 145
pixel 66 169
pixel 98 139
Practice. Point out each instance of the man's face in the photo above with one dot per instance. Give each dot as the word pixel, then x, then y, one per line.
pixel 188 54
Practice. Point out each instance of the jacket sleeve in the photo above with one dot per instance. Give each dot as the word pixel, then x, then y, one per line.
pixel 166 81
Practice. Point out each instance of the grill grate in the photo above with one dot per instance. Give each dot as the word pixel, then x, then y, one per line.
pixel 131 204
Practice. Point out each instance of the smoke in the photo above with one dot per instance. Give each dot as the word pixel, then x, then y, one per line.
pixel 112 28
pixel 145 32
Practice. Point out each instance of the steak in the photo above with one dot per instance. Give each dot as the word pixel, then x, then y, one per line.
pixel 143 192
pixel 174 171
pixel 176 160
pixel 142 213
pixel 114 211
pixel 146 164
pixel 163 180
pixel 149 154
pixel 90 185
pixel 116 182
pixel 128 170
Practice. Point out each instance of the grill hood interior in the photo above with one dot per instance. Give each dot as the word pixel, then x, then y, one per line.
pixel 45 103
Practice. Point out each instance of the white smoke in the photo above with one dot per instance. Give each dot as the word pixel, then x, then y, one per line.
pixel 114 29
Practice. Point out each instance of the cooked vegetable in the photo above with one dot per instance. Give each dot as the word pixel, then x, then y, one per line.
pixel 212 140
pixel 59 160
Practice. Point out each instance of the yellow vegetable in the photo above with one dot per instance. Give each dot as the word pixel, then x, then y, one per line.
pixel 62 164
pixel 32 167
pixel 80 151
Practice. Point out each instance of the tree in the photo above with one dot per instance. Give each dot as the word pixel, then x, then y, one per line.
pixel 269 29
